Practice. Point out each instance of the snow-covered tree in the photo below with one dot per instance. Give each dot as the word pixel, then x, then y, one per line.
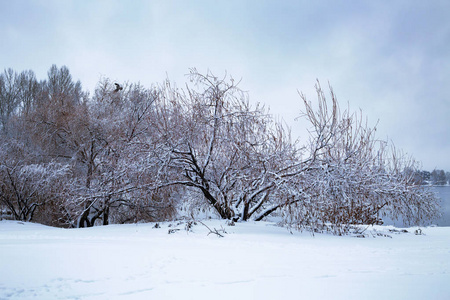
pixel 27 189
pixel 121 186
pixel 353 177
pixel 215 143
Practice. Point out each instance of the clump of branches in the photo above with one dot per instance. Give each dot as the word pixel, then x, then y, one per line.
pixel 141 154
pixel 354 178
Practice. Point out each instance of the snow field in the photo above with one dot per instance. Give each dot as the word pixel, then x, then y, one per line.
pixel 252 261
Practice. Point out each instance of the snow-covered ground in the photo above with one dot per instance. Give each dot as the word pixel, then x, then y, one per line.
pixel 251 261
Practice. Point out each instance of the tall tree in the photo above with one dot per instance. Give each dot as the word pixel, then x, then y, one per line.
pixel 9 96
pixel 62 88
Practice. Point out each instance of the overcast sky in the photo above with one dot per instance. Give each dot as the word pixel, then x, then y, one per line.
pixel 391 59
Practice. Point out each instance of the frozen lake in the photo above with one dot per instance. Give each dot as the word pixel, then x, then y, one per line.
pixel 444 194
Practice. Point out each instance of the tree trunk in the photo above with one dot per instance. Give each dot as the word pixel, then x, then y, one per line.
pixel 223 212
pixel 84 218
pixel 106 216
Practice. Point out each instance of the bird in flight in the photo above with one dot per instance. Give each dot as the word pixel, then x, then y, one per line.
pixel 118 87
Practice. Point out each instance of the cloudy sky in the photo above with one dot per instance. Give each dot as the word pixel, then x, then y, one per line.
pixel 391 59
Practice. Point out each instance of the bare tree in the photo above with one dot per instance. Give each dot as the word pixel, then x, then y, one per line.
pixel 233 154
pixel 62 88
pixel 26 189
pixel 120 176
pixel 355 178
pixel 9 96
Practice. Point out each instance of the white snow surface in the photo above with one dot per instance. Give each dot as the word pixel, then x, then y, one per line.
pixel 254 260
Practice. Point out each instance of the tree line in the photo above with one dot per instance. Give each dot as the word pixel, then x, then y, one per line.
pixel 435 177
pixel 134 154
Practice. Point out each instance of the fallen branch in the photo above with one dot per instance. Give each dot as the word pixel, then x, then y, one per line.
pixel 215 231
